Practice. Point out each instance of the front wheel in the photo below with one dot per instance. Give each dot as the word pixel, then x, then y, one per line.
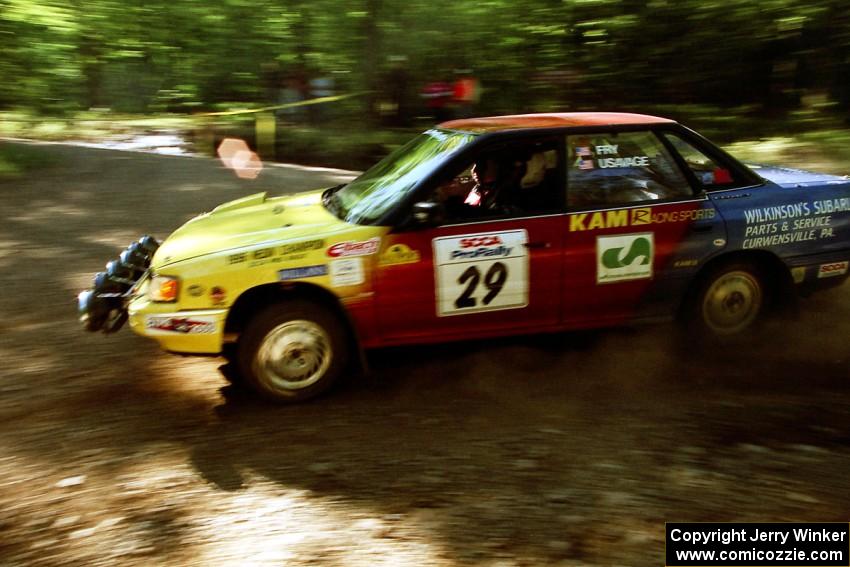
pixel 293 351
pixel 729 300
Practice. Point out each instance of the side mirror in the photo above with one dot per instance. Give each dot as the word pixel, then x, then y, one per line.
pixel 428 213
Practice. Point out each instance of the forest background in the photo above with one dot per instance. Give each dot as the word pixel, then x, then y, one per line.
pixel 775 71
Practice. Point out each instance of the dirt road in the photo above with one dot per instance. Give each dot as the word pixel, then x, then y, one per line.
pixel 570 449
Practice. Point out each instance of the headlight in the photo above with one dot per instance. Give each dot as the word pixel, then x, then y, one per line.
pixel 164 289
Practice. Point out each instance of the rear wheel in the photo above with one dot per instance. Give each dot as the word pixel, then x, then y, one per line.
pixel 729 300
pixel 293 351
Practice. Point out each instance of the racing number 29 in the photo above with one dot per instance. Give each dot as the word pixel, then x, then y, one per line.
pixel 494 280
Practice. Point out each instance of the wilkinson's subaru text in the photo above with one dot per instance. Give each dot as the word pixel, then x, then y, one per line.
pixel 478 228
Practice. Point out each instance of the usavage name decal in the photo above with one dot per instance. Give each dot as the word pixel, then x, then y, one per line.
pixel 585 157
pixel 481 272
pixel 624 257
pixel 635 217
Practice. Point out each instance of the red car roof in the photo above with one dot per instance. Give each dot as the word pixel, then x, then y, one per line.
pixel 552 120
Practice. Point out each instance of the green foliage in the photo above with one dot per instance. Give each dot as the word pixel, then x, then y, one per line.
pixel 185 55
pixel 344 148
pixel 819 150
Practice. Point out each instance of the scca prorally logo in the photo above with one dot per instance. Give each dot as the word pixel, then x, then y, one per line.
pixel 480 241
pixel 624 257
pixel 486 246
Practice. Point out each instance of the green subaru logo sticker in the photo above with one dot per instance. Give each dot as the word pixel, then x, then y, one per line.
pixel 624 257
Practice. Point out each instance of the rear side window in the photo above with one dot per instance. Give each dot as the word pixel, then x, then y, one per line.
pixel 707 171
pixel 611 168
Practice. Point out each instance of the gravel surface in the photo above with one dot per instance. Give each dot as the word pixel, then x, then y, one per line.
pixel 568 449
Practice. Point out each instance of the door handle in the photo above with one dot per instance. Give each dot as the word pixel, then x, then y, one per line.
pixel 537 244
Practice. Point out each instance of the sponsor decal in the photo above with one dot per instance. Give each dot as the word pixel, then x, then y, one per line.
pixel 624 257
pixel 272 254
pixel 348 271
pixel 180 325
pixel 398 254
pixel 635 217
pixel 218 295
pixel 832 269
pixel 481 272
pixel 640 216
pixel 798 274
pixel 262 253
pixel 195 290
pixel 829 206
pixel 480 247
pixel 300 247
pixel 790 223
pixel 352 248
pixel 237 258
pixel 720 242
pixel 685 263
pixel 302 272
pixel 796 210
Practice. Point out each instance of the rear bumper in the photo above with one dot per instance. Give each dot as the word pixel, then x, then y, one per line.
pixel 820 272
pixel 191 332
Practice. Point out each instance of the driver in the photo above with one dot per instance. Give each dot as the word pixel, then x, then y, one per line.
pixel 493 180
pixel 485 173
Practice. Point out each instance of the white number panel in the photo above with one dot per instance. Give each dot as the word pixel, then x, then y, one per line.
pixel 487 271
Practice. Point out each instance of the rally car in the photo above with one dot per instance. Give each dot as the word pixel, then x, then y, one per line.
pixel 477 228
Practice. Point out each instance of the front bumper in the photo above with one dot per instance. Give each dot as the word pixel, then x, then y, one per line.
pixel 192 331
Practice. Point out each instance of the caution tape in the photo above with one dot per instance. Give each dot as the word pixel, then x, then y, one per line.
pixel 307 102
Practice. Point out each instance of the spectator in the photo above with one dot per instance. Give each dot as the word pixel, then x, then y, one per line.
pixel 466 92
pixel 437 96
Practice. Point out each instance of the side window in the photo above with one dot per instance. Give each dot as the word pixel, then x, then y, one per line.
pixel 707 172
pixel 519 180
pixel 612 168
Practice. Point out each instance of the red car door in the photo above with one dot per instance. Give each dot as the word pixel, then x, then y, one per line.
pixel 466 281
pixel 637 232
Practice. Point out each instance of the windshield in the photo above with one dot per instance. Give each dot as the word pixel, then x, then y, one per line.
pixel 376 191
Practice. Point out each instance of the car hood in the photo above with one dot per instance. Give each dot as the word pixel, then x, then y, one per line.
pixel 249 221
pixel 787 176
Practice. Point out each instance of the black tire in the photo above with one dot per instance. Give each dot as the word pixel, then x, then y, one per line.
pixel 230 370
pixel 293 351
pixel 728 300
pixel 230 352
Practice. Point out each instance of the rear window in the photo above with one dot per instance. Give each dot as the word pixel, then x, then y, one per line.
pixel 611 168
